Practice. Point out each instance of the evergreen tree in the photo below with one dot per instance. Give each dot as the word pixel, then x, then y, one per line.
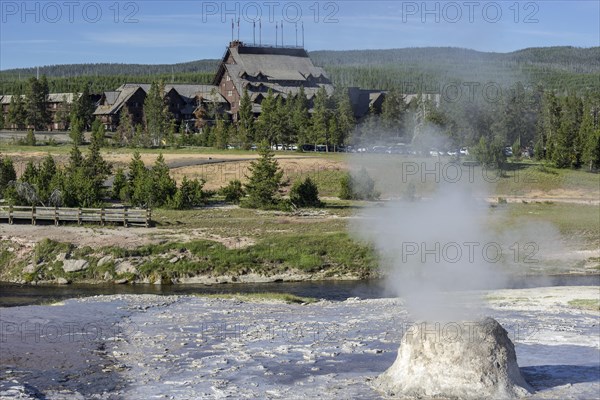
pixel 75 158
pixel 164 187
pixel 82 108
pixel 30 174
pixel 91 177
pixel 300 117
pixel 30 139
pixel 17 115
pixel 137 174
pixel 156 113
pixel 44 177
pixel 188 195
pixel 283 123
pixel 125 130
pixel 392 112
pixel 265 179
pixel 62 115
pixel 566 151
pixel 233 192
pixel 36 103
pixel 245 123
pixel 267 121
pixel 98 133
pixel 221 134
pixel 172 131
pixel 549 123
pixel 345 121
pixel 119 185
pixel 590 137
pixel 77 127
pixel 320 119
pixel 7 174
pixel 305 194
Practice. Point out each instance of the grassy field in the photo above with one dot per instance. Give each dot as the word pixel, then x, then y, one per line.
pixel 221 239
pixel 393 173
pixel 572 220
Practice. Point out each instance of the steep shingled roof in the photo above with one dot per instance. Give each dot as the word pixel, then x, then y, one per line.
pixel 283 70
pixel 121 99
pixel 114 100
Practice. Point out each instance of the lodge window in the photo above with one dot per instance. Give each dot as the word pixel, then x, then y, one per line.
pixel 228 78
pixel 229 93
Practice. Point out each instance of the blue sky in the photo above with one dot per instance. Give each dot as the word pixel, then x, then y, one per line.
pixel 155 32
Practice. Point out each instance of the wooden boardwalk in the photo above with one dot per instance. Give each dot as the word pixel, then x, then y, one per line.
pixel 124 216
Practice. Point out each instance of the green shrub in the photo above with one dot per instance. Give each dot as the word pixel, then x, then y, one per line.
pixel 359 186
pixel 233 192
pixel 29 140
pixel 188 195
pixel 305 194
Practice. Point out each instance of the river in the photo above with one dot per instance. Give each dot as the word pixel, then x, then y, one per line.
pixel 12 295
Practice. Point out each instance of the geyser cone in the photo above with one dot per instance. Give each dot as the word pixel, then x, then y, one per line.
pixel 459 360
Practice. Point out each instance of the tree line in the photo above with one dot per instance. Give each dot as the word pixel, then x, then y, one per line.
pixel 533 122
pixel 82 182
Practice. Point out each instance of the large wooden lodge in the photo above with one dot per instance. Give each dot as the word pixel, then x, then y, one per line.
pixel 258 69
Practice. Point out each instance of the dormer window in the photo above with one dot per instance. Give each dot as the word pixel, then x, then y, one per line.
pixel 228 78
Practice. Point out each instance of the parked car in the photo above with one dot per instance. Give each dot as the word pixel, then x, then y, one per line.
pixel 464 151
pixel 397 149
pixel 508 151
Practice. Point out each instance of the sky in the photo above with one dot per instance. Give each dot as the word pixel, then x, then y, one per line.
pixel 36 33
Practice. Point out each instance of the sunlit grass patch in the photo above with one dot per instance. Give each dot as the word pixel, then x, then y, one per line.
pixel 258 297
pixel 586 304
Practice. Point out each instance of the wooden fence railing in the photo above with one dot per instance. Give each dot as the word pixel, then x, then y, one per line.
pixel 124 216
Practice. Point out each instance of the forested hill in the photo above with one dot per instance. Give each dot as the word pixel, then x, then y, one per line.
pixel 574 59
pixel 106 69
pixel 560 68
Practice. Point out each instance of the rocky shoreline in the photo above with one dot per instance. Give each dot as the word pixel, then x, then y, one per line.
pixel 64 264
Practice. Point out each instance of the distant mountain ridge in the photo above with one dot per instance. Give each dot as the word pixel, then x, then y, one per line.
pixel 419 69
pixel 574 59
pixel 103 69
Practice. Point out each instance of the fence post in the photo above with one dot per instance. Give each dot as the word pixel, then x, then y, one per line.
pixel 148 217
pixel 10 214
pixel 125 217
pixel 79 216
pixel 56 215
pixel 33 215
pixel 102 216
